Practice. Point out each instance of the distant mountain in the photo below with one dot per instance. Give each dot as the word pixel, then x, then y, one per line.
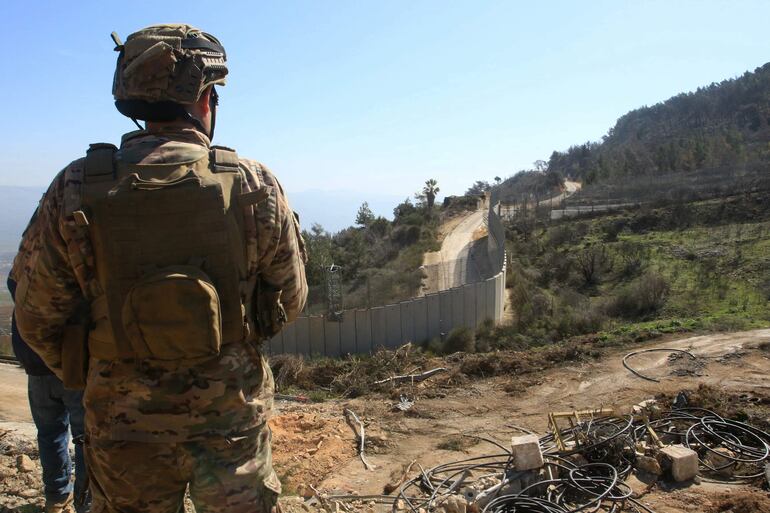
pixel 722 126
pixel 334 210
pixel 18 204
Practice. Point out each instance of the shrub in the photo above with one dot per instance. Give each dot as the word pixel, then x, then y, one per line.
pixel 460 339
pixel 641 298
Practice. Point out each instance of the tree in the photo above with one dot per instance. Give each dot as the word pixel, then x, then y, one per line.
pixel 430 190
pixel 479 187
pixel 365 216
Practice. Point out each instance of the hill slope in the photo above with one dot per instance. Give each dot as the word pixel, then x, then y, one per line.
pixel 723 126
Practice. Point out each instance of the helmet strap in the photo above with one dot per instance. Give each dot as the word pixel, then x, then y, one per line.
pixel 213 119
pixel 136 122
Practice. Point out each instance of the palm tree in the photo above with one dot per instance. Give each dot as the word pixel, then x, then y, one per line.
pixel 430 190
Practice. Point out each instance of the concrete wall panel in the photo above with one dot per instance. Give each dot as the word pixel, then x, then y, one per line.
pixel 317 337
pixel 458 307
pixel 490 290
pixel 434 315
pixel 420 319
pixel 445 306
pixel 499 292
pixel 481 302
pixel 364 331
pixel 469 305
pixel 332 338
pixel 289 333
pixel 393 326
pixel 302 330
pixel 348 332
pixel 407 322
pixel 379 328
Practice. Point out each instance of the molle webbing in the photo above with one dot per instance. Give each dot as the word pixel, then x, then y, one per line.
pixel 144 218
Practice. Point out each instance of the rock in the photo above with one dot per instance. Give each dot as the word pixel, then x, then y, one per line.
pixel 24 463
pixel 28 493
pixel 684 462
pixel 648 408
pixel 721 460
pixel 648 464
pixel 526 452
pixel 455 504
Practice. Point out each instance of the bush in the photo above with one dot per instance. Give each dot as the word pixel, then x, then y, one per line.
pixel 641 298
pixel 460 339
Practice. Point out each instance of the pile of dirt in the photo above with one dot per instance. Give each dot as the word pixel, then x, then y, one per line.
pixel 21 484
pixel 307 447
pixel 744 501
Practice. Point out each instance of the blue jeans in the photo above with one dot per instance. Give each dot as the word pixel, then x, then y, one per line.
pixel 57 411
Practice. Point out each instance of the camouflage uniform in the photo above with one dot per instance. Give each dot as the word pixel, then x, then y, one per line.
pixel 154 427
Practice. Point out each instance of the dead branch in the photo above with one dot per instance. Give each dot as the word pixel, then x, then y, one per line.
pixel 414 378
pixel 361 440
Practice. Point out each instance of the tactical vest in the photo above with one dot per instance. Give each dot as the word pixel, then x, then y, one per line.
pixel 170 251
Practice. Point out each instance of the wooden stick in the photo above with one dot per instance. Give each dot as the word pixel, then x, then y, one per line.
pixel 414 378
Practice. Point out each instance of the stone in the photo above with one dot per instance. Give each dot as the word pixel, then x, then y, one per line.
pixel 455 504
pixel 684 462
pixel 526 452
pixel 24 463
pixel 721 460
pixel 648 464
pixel 648 408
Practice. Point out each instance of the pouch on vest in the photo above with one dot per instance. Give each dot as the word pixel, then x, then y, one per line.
pixel 174 314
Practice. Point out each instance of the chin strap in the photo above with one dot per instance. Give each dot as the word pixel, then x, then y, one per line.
pixel 135 121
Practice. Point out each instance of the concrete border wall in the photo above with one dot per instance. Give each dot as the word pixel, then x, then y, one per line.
pixel 416 320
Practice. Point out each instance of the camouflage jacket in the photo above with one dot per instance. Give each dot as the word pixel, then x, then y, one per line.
pixel 143 400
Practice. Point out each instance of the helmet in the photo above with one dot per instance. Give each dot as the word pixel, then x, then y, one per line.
pixel 161 68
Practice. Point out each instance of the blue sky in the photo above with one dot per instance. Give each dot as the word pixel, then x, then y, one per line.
pixel 376 97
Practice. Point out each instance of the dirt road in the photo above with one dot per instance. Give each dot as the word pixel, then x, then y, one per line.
pixel 448 267
pixel 730 361
pixel 13 384
pixel 314 446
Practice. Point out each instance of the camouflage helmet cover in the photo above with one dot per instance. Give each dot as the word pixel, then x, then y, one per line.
pixel 168 63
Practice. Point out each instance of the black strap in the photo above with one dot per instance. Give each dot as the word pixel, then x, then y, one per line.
pixel 223 160
pixel 100 162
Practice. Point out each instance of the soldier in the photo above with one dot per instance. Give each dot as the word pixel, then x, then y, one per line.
pixel 155 271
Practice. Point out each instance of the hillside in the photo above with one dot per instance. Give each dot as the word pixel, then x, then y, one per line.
pixel 722 126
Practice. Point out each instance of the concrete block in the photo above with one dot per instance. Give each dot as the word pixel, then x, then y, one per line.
pixel 684 462
pixel 526 452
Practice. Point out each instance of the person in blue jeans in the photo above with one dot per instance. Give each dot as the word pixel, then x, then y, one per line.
pixel 56 412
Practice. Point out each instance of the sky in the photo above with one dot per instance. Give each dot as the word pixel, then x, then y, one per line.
pixel 375 97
